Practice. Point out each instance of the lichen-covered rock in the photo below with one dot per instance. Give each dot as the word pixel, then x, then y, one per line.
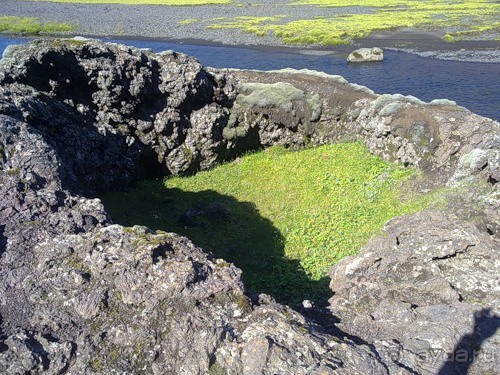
pixel 428 290
pixel 271 114
pixel 123 298
pixel 131 102
pixel 366 55
pixel 278 340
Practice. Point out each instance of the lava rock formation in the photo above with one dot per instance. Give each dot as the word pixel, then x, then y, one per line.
pixel 80 294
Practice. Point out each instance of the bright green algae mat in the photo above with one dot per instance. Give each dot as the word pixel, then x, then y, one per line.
pixel 284 217
pixel 465 18
pixel 31 25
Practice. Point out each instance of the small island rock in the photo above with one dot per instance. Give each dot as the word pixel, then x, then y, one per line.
pixel 366 55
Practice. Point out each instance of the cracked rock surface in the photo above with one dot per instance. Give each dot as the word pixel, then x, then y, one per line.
pixel 420 290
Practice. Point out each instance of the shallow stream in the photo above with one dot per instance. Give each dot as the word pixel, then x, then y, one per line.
pixel 472 85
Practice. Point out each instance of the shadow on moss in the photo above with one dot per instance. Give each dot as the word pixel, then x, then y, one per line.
pixel 232 230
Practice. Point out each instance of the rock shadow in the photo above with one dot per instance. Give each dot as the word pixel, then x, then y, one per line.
pixel 3 240
pixel 469 349
pixel 65 106
pixel 230 229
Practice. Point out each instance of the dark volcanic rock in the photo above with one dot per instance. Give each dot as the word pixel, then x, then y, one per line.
pixel 80 294
pixel 116 108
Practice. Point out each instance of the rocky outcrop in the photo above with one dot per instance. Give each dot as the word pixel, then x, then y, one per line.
pixel 271 114
pixel 362 55
pixel 131 103
pixel 426 293
pixel 80 294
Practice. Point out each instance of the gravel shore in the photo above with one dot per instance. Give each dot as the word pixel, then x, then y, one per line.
pixel 153 21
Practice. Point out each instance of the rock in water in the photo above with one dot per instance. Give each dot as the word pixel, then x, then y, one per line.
pixel 79 294
pixel 366 55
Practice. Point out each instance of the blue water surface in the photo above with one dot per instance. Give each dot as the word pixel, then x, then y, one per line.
pixel 472 85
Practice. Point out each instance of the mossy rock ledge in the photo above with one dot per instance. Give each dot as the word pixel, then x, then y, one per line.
pixel 81 295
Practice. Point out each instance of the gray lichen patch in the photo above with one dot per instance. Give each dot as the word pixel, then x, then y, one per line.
pixel 269 113
pixel 279 95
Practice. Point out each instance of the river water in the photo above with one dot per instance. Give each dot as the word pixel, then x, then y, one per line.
pixel 475 86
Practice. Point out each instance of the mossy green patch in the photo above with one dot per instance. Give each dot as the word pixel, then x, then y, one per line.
pixel 247 24
pixel 31 25
pixel 467 18
pixel 216 369
pixel 287 216
pixel 14 171
pixel 188 21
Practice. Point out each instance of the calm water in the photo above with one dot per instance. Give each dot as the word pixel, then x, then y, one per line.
pixel 472 85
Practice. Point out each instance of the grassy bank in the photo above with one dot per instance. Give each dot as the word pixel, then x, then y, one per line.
pixel 30 25
pixel 464 19
pixel 326 22
pixel 283 217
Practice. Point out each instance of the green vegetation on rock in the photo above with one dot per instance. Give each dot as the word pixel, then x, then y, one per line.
pixel 283 217
pixel 31 25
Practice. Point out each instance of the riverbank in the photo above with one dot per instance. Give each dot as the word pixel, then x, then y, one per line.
pixel 190 22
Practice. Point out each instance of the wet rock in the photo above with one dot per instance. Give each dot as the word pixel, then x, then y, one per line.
pixel 362 55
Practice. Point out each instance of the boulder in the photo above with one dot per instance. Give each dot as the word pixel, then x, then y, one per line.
pixel 362 55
